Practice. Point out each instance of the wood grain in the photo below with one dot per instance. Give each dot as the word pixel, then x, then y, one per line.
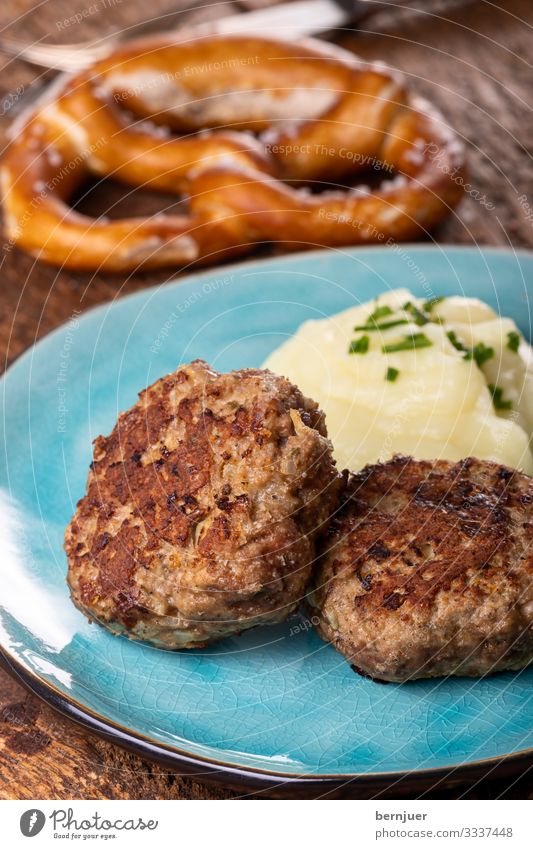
pixel 472 59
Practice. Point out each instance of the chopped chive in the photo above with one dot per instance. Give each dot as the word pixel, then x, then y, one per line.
pixel 432 302
pixel 457 344
pixel 380 312
pixel 497 398
pixel 359 346
pixel 391 374
pixel 513 341
pixel 409 343
pixel 385 326
pixel 418 315
pixel 480 353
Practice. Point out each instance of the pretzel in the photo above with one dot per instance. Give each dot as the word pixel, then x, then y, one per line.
pixel 244 128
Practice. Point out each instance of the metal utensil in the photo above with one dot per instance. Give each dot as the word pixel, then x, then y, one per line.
pixel 293 20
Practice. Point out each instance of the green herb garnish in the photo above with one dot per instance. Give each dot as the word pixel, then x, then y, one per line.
pixel 480 353
pixel 497 398
pixel 457 344
pixel 417 315
pixel 380 312
pixel 359 346
pixel 391 374
pixel 432 302
pixel 385 326
pixel 513 341
pixel 409 343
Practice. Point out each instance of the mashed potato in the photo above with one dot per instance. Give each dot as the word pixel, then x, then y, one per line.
pixel 455 380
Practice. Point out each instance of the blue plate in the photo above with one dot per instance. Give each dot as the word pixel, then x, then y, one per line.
pixel 276 706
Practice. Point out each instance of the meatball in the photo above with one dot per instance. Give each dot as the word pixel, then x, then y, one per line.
pixel 202 508
pixel 428 570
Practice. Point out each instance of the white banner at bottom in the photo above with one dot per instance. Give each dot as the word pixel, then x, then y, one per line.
pixel 265 824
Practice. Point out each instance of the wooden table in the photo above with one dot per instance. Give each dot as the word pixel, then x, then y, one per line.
pixel 469 58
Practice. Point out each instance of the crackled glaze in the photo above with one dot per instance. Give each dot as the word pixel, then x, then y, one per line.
pixel 278 698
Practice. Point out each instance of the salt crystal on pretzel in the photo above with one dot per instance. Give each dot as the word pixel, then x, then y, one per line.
pixel 241 126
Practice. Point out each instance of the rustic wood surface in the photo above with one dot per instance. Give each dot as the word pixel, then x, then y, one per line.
pixel 472 60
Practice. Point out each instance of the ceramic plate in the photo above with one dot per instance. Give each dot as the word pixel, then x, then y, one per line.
pixel 275 706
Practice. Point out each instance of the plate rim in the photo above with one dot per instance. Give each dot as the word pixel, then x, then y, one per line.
pixel 192 276
pixel 214 770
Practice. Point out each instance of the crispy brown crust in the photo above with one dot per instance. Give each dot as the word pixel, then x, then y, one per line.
pixel 238 186
pixel 201 508
pixel 428 570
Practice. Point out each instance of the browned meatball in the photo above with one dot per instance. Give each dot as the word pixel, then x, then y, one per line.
pixel 202 508
pixel 428 570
